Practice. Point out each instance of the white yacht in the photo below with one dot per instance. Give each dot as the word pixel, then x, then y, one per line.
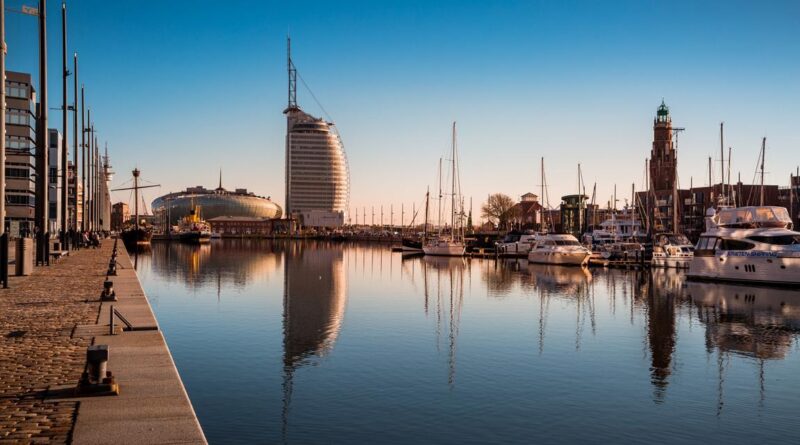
pixel 748 244
pixel 559 249
pixel 672 250
pixel 517 245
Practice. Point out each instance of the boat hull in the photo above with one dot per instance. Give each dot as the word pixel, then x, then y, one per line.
pixel 194 237
pixel 559 258
pixel 410 245
pixel 764 269
pixel 133 237
pixel 667 261
pixel 444 249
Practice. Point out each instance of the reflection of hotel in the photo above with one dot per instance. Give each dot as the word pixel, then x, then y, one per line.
pixel 314 298
pixel 315 293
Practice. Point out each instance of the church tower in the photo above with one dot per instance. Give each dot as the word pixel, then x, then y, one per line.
pixel 662 158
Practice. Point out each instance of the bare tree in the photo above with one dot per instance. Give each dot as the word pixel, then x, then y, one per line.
pixel 499 209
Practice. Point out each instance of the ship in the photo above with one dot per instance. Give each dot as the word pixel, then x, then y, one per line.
pixel 136 234
pixel 193 229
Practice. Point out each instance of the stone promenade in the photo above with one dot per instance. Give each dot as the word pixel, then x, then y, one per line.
pixel 47 321
pixel 38 314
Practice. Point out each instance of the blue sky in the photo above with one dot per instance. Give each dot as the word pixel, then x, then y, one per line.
pixel 183 88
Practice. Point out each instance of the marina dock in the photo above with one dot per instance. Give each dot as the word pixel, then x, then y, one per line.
pixel 50 319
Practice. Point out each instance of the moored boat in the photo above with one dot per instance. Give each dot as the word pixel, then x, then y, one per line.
pixel 138 233
pixel 516 245
pixel 672 250
pixel 193 229
pixel 134 236
pixel 748 244
pixel 561 249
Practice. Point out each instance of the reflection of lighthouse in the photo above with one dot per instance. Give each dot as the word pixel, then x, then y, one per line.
pixel 314 297
pixel 660 329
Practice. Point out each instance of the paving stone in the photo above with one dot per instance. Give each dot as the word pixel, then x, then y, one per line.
pixel 37 349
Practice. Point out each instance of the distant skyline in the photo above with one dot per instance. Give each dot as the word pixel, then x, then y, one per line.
pixel 183 89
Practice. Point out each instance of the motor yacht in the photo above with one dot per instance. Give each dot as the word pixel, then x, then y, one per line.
pixel 748 244
pixel 560 249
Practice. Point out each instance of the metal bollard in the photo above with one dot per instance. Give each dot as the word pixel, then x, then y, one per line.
pixel 112 267
pixel 97 379
pixel 97 363
pixel 108 293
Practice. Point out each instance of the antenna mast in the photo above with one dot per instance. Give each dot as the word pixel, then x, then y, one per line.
pixel 292 75
pixel 763 152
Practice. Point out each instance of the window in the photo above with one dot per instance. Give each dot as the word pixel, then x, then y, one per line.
pixel 782 240
pixel 733 244
pixel 706 243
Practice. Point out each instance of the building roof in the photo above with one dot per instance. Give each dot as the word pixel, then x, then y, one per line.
pixel 239 219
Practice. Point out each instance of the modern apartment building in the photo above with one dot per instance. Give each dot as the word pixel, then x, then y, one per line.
pixel 54 177
pixel 75 194
pixel 20 149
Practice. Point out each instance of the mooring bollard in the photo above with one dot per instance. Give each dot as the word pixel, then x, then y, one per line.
pixel 97 363
pixel 108 293
pixel 112 267
pixel 97 379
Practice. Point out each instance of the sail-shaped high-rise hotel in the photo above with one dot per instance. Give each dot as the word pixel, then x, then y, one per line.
pixel 317 176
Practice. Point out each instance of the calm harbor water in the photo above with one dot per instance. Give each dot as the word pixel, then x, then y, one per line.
pixel 307 342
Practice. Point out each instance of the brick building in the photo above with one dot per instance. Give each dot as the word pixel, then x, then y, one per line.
pixel 242 226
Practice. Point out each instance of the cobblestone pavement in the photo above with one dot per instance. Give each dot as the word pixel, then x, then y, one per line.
pixel 38 314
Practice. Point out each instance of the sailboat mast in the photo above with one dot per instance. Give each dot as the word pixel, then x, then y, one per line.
pixel 763 152
pixel 722 156
pixel 427 203
pixel 730 186
pixel 439 205
pixel 136 197
pixel 634 207
pixel 543 223
pixel 453 187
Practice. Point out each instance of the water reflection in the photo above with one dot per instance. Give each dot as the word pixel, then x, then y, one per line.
pixel 755 322
pixel 676 343
pixel 447 276
pixel 660 294
pixel 314 299
pixel 568 284
pixel 233 263
pixel 315 293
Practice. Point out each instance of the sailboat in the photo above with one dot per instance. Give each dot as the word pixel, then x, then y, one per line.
pixel 136 234
pixel 449 244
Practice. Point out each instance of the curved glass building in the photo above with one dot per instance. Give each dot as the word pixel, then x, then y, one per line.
pixel 317 177
pixel 214 203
